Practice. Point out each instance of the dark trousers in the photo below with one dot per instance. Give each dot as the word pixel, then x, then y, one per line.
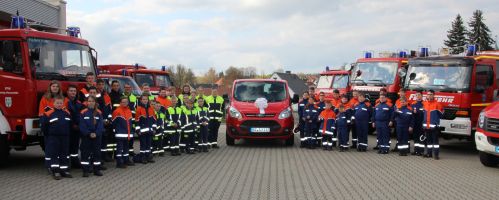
pixel 90 153
pixel 174 141
pixel 310 134
pixel 354 135
pixel 145 144
pixel 342 136
pixel 327 139
pixel 417 132
pixel 203 136
pixel 57 150
pixel 166 141
pixel 121 151
pixel 213 126
pixel 362 130
pixel 301 127
pixel 403 139
pixel 383 134
pixel 432 141
pixel 157 143
pixel 74 146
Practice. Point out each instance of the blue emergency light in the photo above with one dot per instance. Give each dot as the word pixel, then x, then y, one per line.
pixel 424 52
pixel 18 22
pixel 327 68
pixel 123 72
pixel 163 68
pixel 73 31
pixel 402 54
pixel 368 55
pixel 136 65
pixel 471 51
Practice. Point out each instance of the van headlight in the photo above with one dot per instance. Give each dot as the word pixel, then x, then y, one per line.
pixel 481 119
pixel 285 113
pixel 234 113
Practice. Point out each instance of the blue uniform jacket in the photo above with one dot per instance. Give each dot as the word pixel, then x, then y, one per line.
pixel 90 123
pixel 404 117
pixel 418 113
pixel 382 112
pixel 145 117
pixel 321 106
pixel 342 120
pixel 362 112
pixel 301 108
pixel 56 122
pixel 432 113
pixel 310 113
pixel 74 108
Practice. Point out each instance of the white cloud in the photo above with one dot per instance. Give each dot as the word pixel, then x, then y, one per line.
pixel 296 35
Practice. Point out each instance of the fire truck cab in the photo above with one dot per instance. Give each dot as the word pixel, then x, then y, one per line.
pixel 370 74
pixel 29 61
pixel 487 135
pixel 463 84
pixel 330 80
pixel 260 109
pixel 155 78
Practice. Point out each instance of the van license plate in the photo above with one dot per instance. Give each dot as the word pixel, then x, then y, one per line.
pixel 260 130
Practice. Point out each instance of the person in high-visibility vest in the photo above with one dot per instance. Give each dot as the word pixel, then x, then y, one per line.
pixel 189 120
pixel 215 112
pixel 146 90
pixel 203 125
pixel 172 127
pixel 159 131
pixel 186 91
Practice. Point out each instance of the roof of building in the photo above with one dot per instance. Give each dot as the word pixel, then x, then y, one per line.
pixel 294 82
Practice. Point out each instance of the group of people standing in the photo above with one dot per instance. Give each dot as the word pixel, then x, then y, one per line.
pixel 327 123
pixel 90 126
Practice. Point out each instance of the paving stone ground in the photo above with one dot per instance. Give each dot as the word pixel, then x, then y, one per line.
pixel 266 170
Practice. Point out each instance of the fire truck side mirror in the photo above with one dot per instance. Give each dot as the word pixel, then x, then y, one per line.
pixel 412 76
pixel 402 72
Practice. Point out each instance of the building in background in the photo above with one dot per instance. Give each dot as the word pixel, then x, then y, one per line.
pixel 45 15
pixel 295 84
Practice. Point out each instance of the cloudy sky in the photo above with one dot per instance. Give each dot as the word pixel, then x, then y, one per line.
pixel 296 35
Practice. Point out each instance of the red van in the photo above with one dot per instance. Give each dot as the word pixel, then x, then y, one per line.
pixel 260 109
pixel 487 135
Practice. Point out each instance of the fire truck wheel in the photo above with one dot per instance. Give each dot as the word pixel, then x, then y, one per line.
pixel 488 159
pixel 228 140
pixel 290 141
pixel 4 150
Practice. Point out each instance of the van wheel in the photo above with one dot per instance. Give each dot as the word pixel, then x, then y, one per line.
pixel 488 159
pixel 4 150
pixel 228 140
pixel 290 141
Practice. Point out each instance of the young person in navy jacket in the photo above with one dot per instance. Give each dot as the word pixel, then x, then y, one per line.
pixel 91 131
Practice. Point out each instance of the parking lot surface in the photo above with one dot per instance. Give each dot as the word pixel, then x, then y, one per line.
pixel 266 170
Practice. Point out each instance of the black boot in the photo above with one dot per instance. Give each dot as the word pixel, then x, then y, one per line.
pixel 97 172
pixel 150 159
pixel 85 174
pixel 215 146
pixel 56 176
pixel 205 149
pixel 66 175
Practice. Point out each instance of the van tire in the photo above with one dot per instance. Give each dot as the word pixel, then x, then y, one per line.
pixel 488 160
pixel 290 141
pixel 4 150
pixel 228 140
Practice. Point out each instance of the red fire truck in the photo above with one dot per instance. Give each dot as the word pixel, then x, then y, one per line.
pixel 333 79
pixel 487 135
pixel 370 74
pixel 463 84
pixel 29 60
pixel 155 78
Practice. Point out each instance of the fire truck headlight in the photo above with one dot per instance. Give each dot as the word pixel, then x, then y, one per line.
pixel 235 113
pixel 285 113
pixel 481 119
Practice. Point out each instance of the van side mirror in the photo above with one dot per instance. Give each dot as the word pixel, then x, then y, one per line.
pixel 412 76
pixel 359 73
pixel 295 98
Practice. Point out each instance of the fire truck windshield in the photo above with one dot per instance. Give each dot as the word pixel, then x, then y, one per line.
pixel 325 81
pixel 375 73
pixel 163 81
pixel 439 78
pixel 144 78
pixel 250 91
pixel 56 59
pixel 340 81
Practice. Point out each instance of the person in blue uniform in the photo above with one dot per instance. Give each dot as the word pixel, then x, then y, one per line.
pixel 56 124
pixel 432 112
pixel 173 126
pixel 91 129
pixel 382 122
pixel 342 124
pixel 204 119
pixel 189 122
pixel 301 122
pixel 122 125
pixel 157 140
pixel 417 108
pixel 146 124
pixel 404 119
pixel 361 118
pixel 74 107
pixel 327 126
pixel 310 117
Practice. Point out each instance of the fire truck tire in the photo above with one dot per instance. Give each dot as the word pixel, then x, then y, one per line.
pixel 488 160
pixel 4 150
pixel 228 140
pixel 290 141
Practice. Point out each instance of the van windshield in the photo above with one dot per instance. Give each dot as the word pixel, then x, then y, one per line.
pixel 250 91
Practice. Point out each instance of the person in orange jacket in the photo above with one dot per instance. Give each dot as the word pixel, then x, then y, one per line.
pixel 327 127
pixel 432 112
pixel 122 124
